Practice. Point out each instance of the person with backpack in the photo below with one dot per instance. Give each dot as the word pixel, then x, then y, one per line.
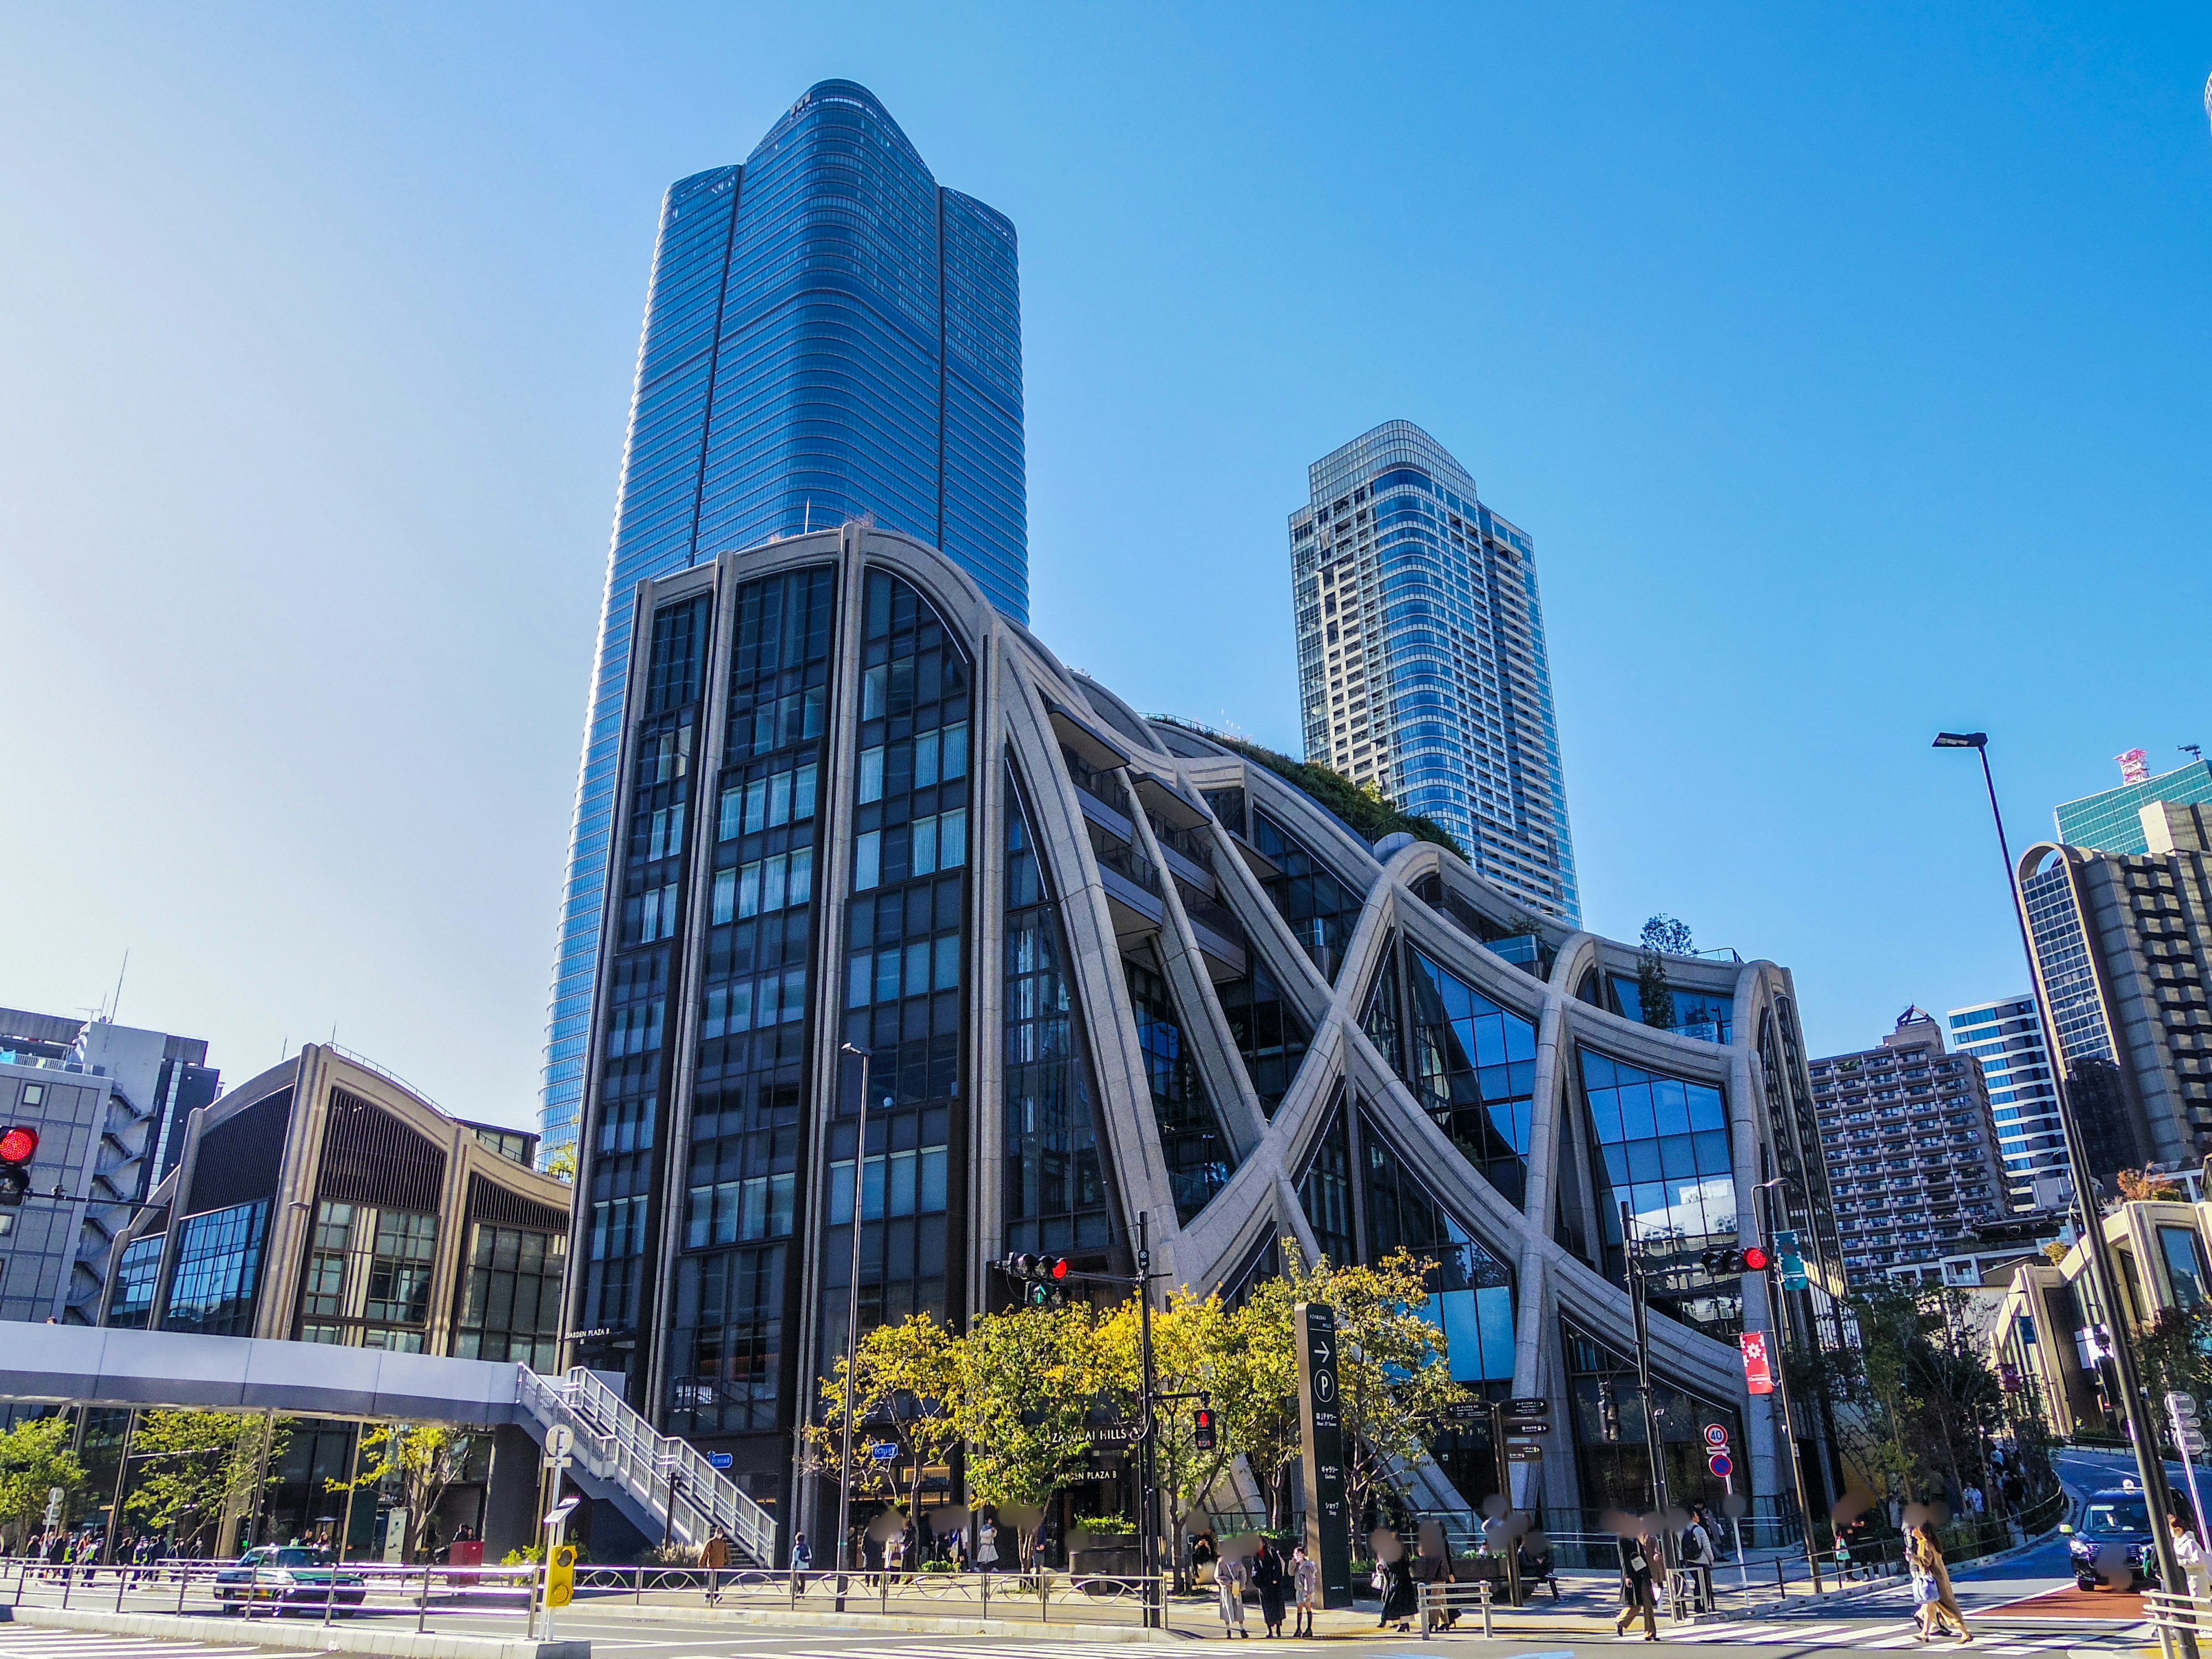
pixel 1698 1557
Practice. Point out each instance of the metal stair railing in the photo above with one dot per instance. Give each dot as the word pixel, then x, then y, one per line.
pixel 668 1476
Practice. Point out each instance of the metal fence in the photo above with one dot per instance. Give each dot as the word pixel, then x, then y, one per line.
pixel 351 1590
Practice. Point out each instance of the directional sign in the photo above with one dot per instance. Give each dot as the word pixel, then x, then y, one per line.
pixel 1466 1411
pixel 720 1460
pixel 1525 1453
pixel 1513 1428
pixel 1528 1408
pixel 1320 1434
pixel 1721 1464
pixel 1717 1435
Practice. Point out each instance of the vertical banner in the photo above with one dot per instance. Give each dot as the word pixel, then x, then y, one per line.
pixel 1758 1370
pixel 1320 1423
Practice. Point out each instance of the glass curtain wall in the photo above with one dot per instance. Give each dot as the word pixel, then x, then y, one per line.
pixel 1055 1194
pixel 1266 1027
pixel 905 966
pixel 1614 1469
pixel 1470 1289
pixel 218 1274
pixel 1200 1158
pixel 1660 1144
pixel 1319 908
pixel 511 1297
pixel 748 1105
pixel 1474 1072
pixel 367 1280
pixel 1326 1191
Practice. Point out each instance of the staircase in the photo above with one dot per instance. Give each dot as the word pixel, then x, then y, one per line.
pixel 620 1458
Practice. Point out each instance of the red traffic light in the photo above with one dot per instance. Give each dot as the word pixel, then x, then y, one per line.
pixel 1756 1259
pixel 18 1145
pixel 1202 1425
pixel 1059 1267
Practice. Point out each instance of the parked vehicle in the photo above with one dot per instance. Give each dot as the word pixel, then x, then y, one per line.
pixel 288 1576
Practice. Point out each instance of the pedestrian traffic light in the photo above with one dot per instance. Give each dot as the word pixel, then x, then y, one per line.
pixel 561 1576
pixel 1201 1429
pixel 1609 1414
pixel 18 1146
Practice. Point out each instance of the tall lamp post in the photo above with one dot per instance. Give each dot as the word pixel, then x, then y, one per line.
pixel 2150 1468
pixel 1777 1315
pixel 857 1059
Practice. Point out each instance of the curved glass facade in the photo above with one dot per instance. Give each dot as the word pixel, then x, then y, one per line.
pixel 829 334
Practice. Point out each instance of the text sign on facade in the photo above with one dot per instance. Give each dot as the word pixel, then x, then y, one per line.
pixel 1757 1368
pixel 1320 1422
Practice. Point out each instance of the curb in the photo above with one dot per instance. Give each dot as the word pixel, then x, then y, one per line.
pixel 309 1638
pixel 912 1623
pixel 1803 1600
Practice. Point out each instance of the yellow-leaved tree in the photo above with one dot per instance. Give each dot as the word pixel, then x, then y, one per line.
pixel 906 1389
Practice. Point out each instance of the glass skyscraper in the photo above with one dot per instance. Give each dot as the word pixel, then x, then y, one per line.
pixel 2006 1038
pixel 2111 821
pixel 1421 662
pixel 829 334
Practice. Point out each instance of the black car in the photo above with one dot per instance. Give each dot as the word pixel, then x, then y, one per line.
pixel 287 1576
pixel 2112 1544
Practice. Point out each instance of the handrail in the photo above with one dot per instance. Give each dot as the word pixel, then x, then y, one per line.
pixel 618 1444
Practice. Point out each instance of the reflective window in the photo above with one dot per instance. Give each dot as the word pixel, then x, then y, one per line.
pixel 1266 1028
pixel 1326 1191
pixel 1474 1072
pixel 1320 909
pixel 136 1272
pixel 1470 1290
pixel 2185 1264
pixel 218 1273
pixel 367 1283
pixel 1611 1450
pixel 1055 1190
pixel 1200 1158
pixel 511 1297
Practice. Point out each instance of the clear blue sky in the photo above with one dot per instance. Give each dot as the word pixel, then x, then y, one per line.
pixel 1851 366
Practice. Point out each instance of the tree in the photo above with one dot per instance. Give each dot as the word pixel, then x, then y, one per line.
pixel 906 1390
pixel 35 1458
pixel 1663 936
pixel 561 1163
pixel 1196 1348
pixel 200 1467
pixel 1027 1380
pixel 427 1459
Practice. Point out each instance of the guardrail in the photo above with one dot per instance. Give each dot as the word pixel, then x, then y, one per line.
pixel 2170 1610
pixel 352 1589
pixel 1012 1593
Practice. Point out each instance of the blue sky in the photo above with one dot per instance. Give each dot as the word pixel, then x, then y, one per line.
pixel 1851 366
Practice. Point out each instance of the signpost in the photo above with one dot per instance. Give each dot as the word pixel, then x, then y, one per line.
pixel 1517 1429
pixel 1321 1415
pixel 2188 1441
pixel 1718 1460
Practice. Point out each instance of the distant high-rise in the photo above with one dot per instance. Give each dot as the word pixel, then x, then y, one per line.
pixel 829 335
pixel 2006 1038
pixel 1421 662
pixel 1910 1149
pixel 2111 821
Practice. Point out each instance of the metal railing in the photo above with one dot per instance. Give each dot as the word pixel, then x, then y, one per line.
pixel 1014 1594
pixel 668 1476
pixel 352 1589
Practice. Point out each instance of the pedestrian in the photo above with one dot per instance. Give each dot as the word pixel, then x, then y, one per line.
pixel 987 1546
pixel 713 1556
pixel 1305 1585
pixel 1636 1586
pixel 1399 1599
pixel 1267 1579
pixel 1229 1574
pixel 1942 1604
pixel 895 1555
pixel 1699 1555
pixel 1202 1555
pixel 2188 1552
pixel 802 1563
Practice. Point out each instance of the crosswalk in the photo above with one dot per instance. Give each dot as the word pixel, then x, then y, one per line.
pixel 1860 1634
pixel 29 1641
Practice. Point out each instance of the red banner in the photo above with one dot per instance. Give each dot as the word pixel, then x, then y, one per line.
pixel 1758 1370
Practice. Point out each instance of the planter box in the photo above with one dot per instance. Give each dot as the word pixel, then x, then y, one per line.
pixel 1109 1561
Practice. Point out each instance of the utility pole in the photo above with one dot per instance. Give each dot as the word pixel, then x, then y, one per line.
pixel 1149 1498
pixel 1777 1315
pixel 2150 1466
pixel 1634 1258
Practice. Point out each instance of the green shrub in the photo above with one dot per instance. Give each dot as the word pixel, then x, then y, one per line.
pixel 1368 812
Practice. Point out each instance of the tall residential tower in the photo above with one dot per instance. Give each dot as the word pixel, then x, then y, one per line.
pixel 829 335
pixel 1421 662
pixel 2006 1038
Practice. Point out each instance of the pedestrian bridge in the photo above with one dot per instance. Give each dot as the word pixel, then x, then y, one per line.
pixel 661 1485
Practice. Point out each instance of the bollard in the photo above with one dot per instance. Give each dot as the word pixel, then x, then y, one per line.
pixel 422 1612
pixel 122 1577
pixel 68 1573
pixel 183 1578
pixel 1780 1588
pixel 987 1596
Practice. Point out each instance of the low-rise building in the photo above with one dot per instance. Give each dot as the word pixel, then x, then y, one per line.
pixel 1911 1147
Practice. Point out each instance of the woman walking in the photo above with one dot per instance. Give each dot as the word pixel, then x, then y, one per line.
pixel 1941 1604
pixel 2188 1552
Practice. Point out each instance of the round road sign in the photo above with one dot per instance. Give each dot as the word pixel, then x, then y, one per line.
pixel 1721 1464
pixel 1717 1434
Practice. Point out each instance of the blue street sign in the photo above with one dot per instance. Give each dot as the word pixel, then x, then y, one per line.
pixel 884 1451
pixel 720 1460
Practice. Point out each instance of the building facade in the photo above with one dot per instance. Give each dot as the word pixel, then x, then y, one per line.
pixel 1090 967
pixel 2005 1038
pixel 2123 945
pixel 107 1100
pixel 1911 1148
pixel 829 334
pixel 2111 821
pixel 1421 661
pixel 326 1201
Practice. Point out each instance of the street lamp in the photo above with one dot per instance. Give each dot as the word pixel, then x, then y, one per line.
pixel 859 1061
pixel 2150 1468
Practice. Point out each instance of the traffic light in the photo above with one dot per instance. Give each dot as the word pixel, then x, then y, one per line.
pixel 1038 1279
pixel 561 1576
pixel 1725 1264
pixel 1201 1429
pixel 1608 1413
pixel 18 1146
